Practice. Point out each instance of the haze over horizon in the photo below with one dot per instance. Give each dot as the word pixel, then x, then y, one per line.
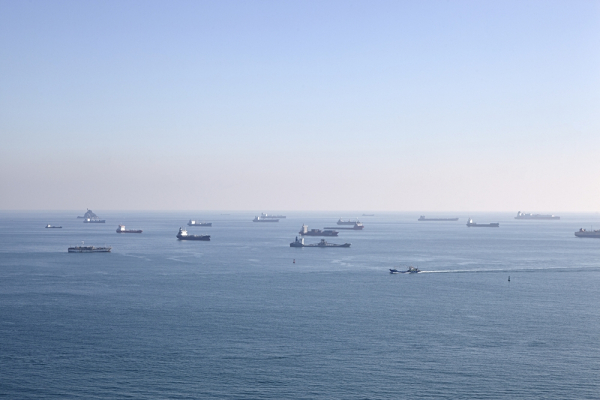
pixel 337 105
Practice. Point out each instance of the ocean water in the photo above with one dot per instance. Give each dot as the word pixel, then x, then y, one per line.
pixel 235 318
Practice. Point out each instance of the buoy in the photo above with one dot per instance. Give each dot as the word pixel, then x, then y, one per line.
pixel 509 278
pixel 295 263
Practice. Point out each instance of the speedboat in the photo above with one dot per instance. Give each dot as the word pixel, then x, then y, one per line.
pixel 410 270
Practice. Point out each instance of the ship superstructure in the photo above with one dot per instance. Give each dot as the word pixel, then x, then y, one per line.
pixel 304 231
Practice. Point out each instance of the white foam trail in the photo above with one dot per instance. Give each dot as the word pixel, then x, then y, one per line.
pixel 528 269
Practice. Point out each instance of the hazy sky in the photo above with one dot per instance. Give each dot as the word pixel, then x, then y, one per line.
pixel 315 105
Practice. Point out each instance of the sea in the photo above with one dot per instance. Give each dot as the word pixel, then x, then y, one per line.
pixel 245 316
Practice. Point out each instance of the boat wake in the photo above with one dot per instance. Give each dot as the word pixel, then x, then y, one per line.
pixel 525 269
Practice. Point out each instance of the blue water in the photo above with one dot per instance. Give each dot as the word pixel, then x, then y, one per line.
pixel 234 318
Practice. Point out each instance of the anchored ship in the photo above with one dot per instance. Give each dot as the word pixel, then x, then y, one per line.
pixel 52 226
pixel 521 215
pixel 357 227
pixel 348 222
pixel 93 221
pixel 261 219
pixel 322 243
pixel 90 218
pixel 470 224
pixel 121 229
pixel 263 215
pixel 316 232
pixel 198 223
pixel 89 249
pixel 582 233
pixel 422 218
pixel 183 235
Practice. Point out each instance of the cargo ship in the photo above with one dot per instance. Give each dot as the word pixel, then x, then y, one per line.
pixel 357 227
pixel 348 222
pixel 470 224
pixel 52 226
pixel 191 222
pixel 422 218
pixel 261 219
pixel 183 235
pixel 582 233
pixel 368 215
pixel 121 229
pixel 93 221
pixel 263 215
pixel 316 232
pixel 521 215
pixel 322 244
pixel 89 249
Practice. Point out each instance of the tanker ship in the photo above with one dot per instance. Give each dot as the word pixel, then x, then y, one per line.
pixel 322 244
pixel 348 222
pixel 263 215
pixel 183 235
pixel 198 223
pixel 471 224
pixel 357 227
pixel 521 215
pixel 121 229
pixel 261 219
pixel 88 249
pixel 422 218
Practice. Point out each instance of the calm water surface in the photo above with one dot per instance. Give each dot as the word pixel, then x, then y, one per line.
pixel 234 318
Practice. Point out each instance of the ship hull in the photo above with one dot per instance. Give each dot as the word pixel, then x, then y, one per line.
pixel 319 234
pixel 99 221
pixel 130 231
pixel 437 219
pixel 328 245
pixel 87 249
pixel 540 217
pixel 205 238
pixel 265 220
pixel 201 224
pixel 492 225
pixel 355 228
pixel 588 235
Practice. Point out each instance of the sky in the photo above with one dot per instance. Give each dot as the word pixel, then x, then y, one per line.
pixel 300 105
